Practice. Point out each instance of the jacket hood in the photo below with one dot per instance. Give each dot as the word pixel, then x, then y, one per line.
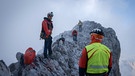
pixel 45 18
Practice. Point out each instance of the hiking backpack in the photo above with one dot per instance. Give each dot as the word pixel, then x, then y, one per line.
pixel 29 56
pixel 42 34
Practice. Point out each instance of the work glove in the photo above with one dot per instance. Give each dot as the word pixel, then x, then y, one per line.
pixel 47 36
pixel 50 32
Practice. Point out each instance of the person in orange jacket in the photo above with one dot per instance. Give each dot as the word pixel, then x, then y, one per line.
pixel 47 27
pixel 96 58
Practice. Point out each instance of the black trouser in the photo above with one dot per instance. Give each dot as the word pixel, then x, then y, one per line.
pixel 75 38
pixel 47 46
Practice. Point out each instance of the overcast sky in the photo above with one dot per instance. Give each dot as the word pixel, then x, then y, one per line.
pixel 20 22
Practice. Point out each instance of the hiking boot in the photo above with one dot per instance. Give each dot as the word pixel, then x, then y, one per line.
pixel 50 52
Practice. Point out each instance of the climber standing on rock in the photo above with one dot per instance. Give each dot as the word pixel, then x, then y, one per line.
pixel 74 34
pixel 96 58
pixel 47 27
pixel 80 25
pixel 62 39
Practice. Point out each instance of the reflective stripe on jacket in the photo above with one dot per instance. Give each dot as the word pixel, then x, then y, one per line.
pixel 98 58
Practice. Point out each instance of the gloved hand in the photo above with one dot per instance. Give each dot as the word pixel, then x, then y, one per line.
pixel 50 32
pixel 46 36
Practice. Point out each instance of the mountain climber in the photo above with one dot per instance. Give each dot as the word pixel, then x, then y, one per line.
pixel 47 27
pixel 74 34
pixel 80 25
pixel 62 39
pixel 96 58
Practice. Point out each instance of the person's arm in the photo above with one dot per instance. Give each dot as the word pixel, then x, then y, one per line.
pixel 110 63
pixel 44 25
pixel 83 63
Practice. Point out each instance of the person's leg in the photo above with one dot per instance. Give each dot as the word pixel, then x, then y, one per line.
pixel 76 38
pixel 45 48
pixel 50 45
pixel 73 38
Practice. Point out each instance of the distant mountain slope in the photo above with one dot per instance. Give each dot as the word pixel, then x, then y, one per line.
pixel 127 67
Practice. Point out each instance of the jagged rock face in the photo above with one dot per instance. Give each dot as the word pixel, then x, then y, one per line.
pixel 4 70
pixel 65 57
pixel 74 50
pixel 115 48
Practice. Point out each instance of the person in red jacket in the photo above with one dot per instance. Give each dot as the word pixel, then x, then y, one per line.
pixel 74 34
pixel 96 58
pixel 47 27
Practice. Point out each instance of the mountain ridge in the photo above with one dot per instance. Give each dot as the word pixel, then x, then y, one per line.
pixel 64 60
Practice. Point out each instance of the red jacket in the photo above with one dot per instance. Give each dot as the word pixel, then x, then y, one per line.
pixel 47 26
pixel 74 33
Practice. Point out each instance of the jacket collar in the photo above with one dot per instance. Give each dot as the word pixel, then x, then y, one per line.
pixel 45 18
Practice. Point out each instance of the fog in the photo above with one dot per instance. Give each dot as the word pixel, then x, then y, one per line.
pixel 20 22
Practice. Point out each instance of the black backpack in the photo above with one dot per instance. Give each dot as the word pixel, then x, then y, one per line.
pixel 42 34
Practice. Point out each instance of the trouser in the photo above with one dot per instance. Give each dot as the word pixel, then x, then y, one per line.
pixel 74 38
pixel 47 46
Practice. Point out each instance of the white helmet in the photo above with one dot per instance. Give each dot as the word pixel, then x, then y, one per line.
pixel 50 14
pixel 97 31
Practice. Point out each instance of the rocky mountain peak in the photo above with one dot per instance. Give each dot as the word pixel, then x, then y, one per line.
pixel 65 57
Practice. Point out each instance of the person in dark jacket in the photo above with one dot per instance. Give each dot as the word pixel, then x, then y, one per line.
pixel 47 27
pixel 96 58
pixel 61 39
pixel 80 25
